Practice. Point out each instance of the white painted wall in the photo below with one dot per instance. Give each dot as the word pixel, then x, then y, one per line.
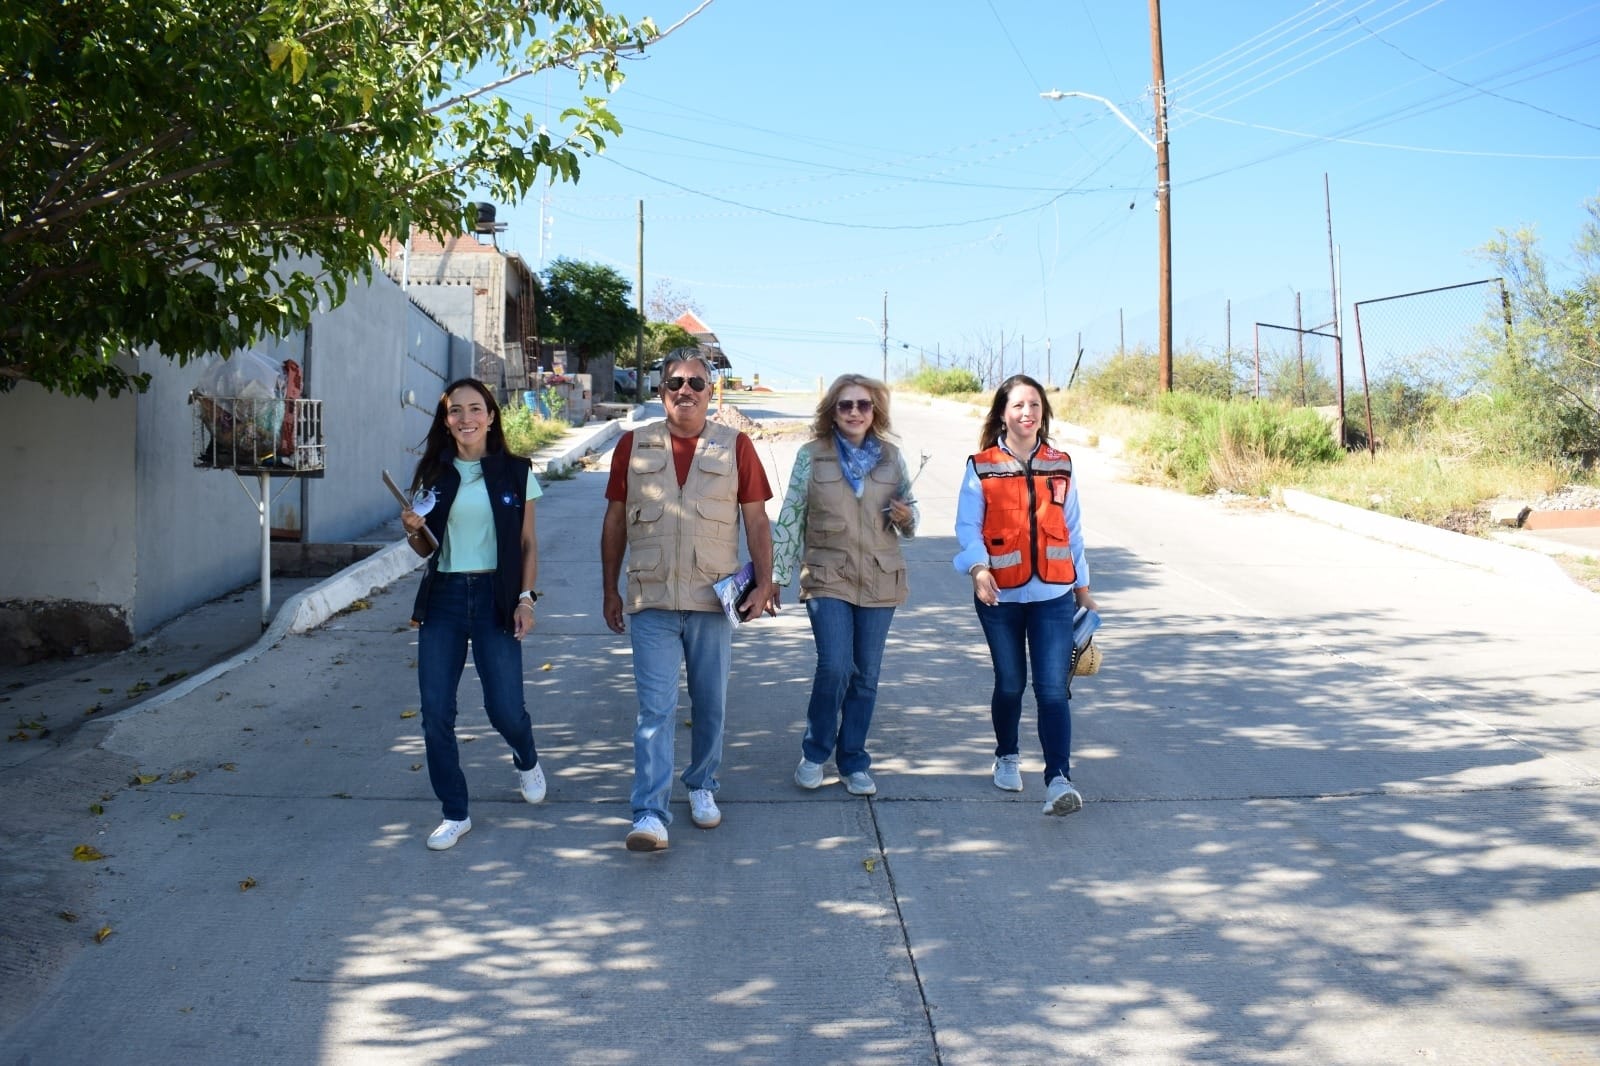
pixel 105 506
pixel 68 516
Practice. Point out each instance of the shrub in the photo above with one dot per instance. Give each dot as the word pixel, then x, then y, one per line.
pixel 1134 377
pixel 944 382
pixel 1204 444
pixel 526 432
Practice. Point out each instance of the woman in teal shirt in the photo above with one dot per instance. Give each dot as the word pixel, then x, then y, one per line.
pixel 478 590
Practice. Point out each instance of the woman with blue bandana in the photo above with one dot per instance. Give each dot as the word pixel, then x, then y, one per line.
pixel 848 506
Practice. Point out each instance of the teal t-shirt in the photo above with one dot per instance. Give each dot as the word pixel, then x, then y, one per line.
pixel 469 531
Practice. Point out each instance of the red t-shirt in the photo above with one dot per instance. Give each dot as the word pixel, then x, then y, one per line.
pixel 753 485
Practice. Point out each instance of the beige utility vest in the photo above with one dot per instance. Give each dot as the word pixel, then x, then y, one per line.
pixel 850 552
pixel 681 540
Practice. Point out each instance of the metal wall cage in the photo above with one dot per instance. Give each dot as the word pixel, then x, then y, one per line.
pixel 275 436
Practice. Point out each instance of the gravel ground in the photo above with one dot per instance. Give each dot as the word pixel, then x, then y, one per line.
pixel 1570 498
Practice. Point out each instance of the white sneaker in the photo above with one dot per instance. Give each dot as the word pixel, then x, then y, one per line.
pixel 860 783
pixel 648 835
pixel 1008 773
pixel 531 784
pixel 448 833
pixel 1061 797
pixel 808 774
pixel 703 809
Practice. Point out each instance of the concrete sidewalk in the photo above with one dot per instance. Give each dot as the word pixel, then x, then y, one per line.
pixel 1328 821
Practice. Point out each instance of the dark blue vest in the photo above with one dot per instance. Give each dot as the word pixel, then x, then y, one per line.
pixel 506 477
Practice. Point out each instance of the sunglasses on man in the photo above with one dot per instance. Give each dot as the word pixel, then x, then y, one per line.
pixel 676 382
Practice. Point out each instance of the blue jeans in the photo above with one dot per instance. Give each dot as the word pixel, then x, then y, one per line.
pixel 849 652
pixel 702 641
pixel 460 611
pixel 1014 632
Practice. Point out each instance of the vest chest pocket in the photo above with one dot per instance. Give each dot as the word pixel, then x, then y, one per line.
pixel 715 461
pixel 722 512
pixel 646 512
pixel 647 458
pixel 824 471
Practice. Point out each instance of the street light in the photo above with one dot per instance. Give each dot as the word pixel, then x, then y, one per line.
pixel 884 337
pixel 1163 211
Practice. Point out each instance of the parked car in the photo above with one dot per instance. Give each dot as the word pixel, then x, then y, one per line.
pixel 625 379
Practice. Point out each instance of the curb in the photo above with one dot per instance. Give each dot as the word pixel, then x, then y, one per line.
pixel 1506 559
pixel 301 612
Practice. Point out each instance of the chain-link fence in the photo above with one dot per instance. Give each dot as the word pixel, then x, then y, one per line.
pixel 1295 365
pixel 1416 348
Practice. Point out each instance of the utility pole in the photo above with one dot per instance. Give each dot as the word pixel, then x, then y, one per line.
pixel 885 342
pixel 1333 288
pixel 638 352
pixel 1163 196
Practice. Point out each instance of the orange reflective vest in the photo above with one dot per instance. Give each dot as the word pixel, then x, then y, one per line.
pixel 1024 516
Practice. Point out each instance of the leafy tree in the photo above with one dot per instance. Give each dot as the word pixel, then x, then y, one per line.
pixel 191 175
pixel 663 337
pixel 1545 380
pixel 586 305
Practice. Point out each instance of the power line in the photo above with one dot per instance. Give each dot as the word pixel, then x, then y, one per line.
pixel 1475 87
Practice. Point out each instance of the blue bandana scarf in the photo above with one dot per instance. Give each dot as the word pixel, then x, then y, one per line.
pixel 858 462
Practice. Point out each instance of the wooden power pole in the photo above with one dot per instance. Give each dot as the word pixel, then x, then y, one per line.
pixel 1163 196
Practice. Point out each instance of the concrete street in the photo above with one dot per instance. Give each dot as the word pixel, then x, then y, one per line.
pixel 1342 806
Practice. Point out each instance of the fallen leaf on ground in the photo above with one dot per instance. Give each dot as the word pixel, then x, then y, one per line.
pixel 96 808
pixel 66 916
pixel 870 864
pixel 175 816
pixel 86 853
pixel 146 779
pixel 408 714
pixel 100 937
pixel 247 884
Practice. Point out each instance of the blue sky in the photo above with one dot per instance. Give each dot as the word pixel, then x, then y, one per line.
pixel 797 163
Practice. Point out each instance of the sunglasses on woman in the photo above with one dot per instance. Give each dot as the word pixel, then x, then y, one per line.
pixel 844 407
pixel 673 384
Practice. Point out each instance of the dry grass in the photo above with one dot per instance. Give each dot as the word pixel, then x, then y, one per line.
pixel 1429 487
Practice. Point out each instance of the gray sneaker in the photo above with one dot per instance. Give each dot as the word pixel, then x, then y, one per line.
pixel 808 774
pixel 1061 797
pixel 860 783
pixel 1008 773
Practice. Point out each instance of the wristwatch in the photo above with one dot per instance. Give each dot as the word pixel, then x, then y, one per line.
pixel 529 595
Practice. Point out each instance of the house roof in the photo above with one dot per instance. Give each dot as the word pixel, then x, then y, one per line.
pixel 692 325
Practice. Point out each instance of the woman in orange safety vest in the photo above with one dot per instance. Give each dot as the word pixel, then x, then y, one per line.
pixel 1021 537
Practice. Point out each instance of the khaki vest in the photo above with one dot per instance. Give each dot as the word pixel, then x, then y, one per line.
pixel 681 541
pixel 850 552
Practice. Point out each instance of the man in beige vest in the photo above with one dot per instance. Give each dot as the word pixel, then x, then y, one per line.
pixel 678 491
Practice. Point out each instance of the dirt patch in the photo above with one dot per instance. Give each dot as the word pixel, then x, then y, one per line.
pixel 1472 521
